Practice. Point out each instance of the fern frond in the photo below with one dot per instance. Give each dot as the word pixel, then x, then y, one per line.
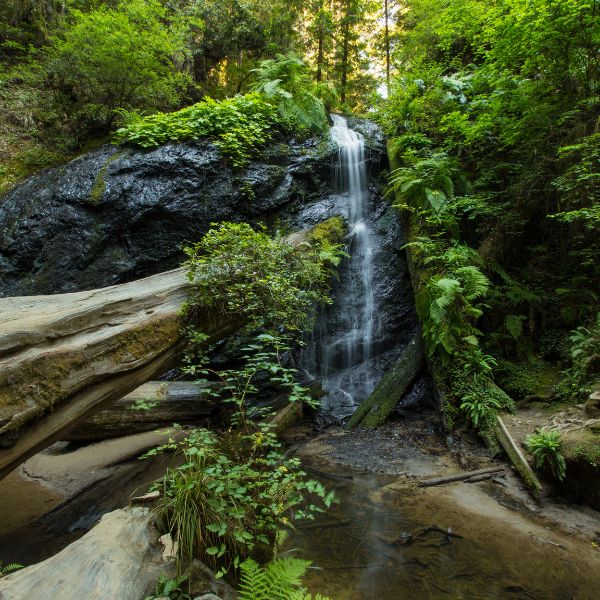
pixel 475 284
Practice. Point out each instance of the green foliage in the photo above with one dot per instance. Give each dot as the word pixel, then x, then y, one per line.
pixel 232 495
pixel 426 184
pixel 115 57
pixel 9 568
pixel 524 378
pixel 493 120
pixel 246 275
pixel 287 82
pixel 236 493
pixel 239 126
pixel 237 387
pixel 584 373
pixel 579 186
pixel 545 446
pixel 170 588
pixel 480 410
pixel 280 579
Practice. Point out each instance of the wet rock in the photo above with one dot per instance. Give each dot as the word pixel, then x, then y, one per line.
pixel 118 214
pixel 207 597
pixel 592 406
pixel 205 584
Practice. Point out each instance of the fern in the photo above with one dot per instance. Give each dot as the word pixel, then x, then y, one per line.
pixel 278 580
pixel 9 568
pixel 286 81
pixel 474 283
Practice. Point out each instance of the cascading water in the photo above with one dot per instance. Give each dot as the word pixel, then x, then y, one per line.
pixel 341 350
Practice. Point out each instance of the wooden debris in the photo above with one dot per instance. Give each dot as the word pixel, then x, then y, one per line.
pixel 460 476
pixel 391 389
pixel 516 457
pixel 153 405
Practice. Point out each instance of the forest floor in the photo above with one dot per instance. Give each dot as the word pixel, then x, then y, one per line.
pixel 477 540
pixel 499 541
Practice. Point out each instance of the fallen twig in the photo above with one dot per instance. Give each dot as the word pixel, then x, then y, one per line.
pixel 459 476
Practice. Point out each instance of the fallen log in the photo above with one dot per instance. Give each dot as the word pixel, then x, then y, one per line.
pixel 391 389
pixel 459 476
pixel 516 457
pixel 151 406
pixel 119 558
pixel 65 357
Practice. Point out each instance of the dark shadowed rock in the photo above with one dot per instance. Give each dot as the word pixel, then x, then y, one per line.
pixel 118 214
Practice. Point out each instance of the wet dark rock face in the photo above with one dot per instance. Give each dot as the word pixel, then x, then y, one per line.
pixel 118 214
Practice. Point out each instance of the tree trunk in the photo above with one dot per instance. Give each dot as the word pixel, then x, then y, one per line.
pixel 320 55
pixel 64 357
pixel 387 46
pixel 119 558
pixel 391 389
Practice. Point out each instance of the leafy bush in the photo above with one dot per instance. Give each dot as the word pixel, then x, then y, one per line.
pixel 278 580
pixel 545 447
pixel 112 58
pixel 584 373
pixel 245 274
pixel 239 126
pixel 481 410
pixel 231 497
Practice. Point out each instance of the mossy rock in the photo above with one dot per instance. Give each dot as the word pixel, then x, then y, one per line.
pixel 581 449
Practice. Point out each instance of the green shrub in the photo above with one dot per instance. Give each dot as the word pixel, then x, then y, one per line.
pixel 239 126
pixel 245 274
pixel 584 373
pixel 232 496
pixel 116 57
pixel 545 447
pixel 286 80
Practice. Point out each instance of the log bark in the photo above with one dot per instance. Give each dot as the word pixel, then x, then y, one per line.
pixel 516 457
pixel 65 357
pixel 167 402
pixel 119 558
pixel 391 389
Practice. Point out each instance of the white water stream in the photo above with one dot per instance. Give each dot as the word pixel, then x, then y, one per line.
pixel 343 345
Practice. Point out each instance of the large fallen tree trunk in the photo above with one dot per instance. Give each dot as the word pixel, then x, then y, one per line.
pixel 151 406
pixel 65 357
pixel 391 389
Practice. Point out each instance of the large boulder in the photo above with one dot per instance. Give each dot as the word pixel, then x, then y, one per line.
pixel 118 213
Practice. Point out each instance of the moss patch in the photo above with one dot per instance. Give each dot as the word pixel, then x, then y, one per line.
pixel 99 186
pixel 583 446
pixel 35 387
pixel 331 231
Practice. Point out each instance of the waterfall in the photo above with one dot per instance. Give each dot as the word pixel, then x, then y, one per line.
pixel 343 342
